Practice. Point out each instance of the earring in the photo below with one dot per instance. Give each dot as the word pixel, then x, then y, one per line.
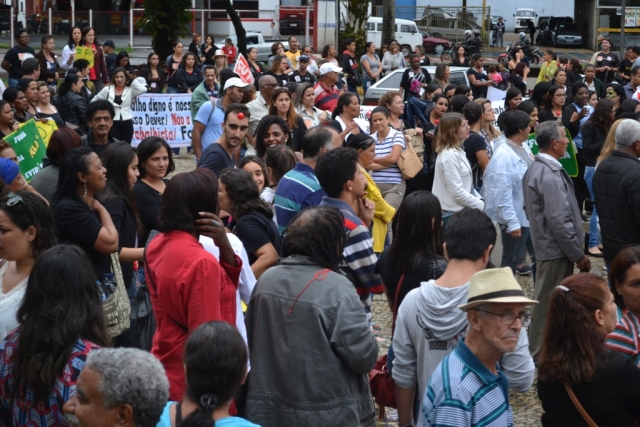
pixel 85 191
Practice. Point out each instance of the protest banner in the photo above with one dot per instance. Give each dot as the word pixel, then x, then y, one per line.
pixel 167 116
pixel 84 53
pixel 46 129
pixel 243 70
pixel 568 161
pixel 29 148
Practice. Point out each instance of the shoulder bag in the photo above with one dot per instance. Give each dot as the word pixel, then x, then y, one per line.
pixel 408 162
pixel 117 307
pixel 383 387
pixel 579 407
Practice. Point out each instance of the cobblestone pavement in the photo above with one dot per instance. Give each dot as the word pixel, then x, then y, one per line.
pixel 526 406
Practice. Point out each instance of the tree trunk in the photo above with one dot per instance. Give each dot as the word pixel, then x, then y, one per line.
pixel 388 21
pixel 241 33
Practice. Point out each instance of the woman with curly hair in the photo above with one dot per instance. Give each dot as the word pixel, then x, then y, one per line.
pixel 280 70
pixel 575 364
pixel 272 130
pixel 252 218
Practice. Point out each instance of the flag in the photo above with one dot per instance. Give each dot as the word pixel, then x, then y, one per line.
pixel 243 70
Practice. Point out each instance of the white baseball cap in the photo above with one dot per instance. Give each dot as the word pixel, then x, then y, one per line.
pixel 235 82
pixel 329 67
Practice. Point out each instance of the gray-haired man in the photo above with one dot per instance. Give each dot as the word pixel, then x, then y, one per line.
pixel 123 387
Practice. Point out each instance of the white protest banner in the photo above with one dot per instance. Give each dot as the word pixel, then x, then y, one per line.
pixel 243 70
pixel 165 115
pixel 495 94
pixel 363 120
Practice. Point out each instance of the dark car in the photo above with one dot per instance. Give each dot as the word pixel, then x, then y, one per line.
pixel 567 35
pixel 434 44
pixel 554 21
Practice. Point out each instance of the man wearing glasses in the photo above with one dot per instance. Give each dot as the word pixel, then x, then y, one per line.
pixel 430 325
pixel 469 387
pixel 12 61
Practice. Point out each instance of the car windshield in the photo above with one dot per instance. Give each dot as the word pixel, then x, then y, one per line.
pixel 568 27
pixel 391 82
pixel 525 13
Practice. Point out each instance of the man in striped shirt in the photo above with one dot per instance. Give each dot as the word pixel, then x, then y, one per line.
pixel 325 90
pixel 468 388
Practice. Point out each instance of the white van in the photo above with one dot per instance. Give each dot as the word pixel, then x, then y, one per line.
pixel 407 34
pixel 522 16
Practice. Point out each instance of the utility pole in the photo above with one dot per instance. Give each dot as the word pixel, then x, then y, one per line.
pixel 388 21
pixel 623 7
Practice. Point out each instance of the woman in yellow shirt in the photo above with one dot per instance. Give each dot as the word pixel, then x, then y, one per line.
pixel 384 212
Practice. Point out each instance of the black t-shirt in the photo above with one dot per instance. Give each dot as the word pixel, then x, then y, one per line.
pixel 611 399
pixel 15 56
pixel 148 201
pixel 78 224
pixel 110 59
pixel 478 91
pixel 125 222
pixel 606 60
pixel 281 79
pixel 408 76
pixel 255 230
pixel 427 269
pixel 296 77
pixel 425 61
pixel 472 145
pixel 216 158
pixel 626 65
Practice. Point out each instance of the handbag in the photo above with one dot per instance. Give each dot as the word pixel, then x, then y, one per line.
pixel 409 163
pixel 383 387
pixel 416 141
pixel 117 307
pixel 579 407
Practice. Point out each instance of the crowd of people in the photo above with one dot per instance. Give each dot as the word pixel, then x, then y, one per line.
pixel 289 191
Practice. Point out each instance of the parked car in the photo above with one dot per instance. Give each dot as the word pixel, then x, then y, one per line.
pixel 407 34
pixel 434 44
pixel 392 82
pixel 433 15
pixel 554 21
pixel 264 48
pixel 453 29
pixel 522 16
pixel 567 35
pixel 543 23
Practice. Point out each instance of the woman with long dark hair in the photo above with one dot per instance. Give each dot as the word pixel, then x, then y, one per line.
pixel 394 59
pixel 59 326
pixel 272 130
pixel 8 124
pixel 574 359
pixel 511 101
pixel 18 100
pixel 30 89
pixel 122 60
pixel 594 133
pixel 98 73
pixel 215 363
pixel 616 94
pixel 459 57
pixel 195 46
pixel 539 95
pixel 49 67
pixel 530 108
pixel 44 108
pixel 27 231
pixel 154 75
pixel 173 61
pixel 187 284
pixel 69 50
pixel 209 50
pixel 478 78
pixel 371 65
pixel 238 194
pixel 187 76
pixel 282 106
pixel 519 77
pixel 279 160
pixel 80 218
pixel 344 115
pixel 256 69
pixel 121 93
pixel 70 103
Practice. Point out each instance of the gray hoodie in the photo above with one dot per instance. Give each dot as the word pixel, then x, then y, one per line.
pixel 428 327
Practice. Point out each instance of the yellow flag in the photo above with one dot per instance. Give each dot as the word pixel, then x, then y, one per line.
pixel 85 53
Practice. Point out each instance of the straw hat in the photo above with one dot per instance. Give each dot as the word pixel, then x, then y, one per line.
pixel 220 52
pixel 495 285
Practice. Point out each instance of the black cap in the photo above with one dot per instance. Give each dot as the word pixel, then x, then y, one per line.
pixel 109 43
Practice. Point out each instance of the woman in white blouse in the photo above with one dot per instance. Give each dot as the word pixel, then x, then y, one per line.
pixel 304 101
pixel 453 182
pixel 69 50
pixel 26 231
pixel 393 59
pixel 120 93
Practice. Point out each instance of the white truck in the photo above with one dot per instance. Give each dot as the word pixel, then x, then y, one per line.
pixel 522 16
pixel 257 40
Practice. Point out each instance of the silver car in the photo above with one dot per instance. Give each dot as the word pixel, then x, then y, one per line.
pixel 392 82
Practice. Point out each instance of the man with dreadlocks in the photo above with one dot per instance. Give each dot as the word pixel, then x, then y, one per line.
pixel 305 322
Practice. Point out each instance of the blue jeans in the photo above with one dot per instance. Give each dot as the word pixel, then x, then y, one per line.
pixel 354 90
pixel 415 107
pixel 367 83
pixel 12 82
pixel 172 90
pixel 512 247
pixel 594 233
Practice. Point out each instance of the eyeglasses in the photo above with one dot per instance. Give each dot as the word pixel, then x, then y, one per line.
pixel 14 199
pixel 561 95
pixel 510 318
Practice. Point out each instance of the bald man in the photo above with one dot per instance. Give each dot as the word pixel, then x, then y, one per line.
pixel 259 108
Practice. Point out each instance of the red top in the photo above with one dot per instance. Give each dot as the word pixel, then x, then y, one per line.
pixel 188 287
pixel 231 53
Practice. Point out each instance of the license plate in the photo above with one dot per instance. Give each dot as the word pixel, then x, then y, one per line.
pixel 293 25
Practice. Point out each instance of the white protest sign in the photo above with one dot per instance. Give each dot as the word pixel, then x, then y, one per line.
pixel 495 94
pixel 167 116
pixel 243 70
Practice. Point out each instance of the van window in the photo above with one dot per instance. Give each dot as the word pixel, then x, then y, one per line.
pixel 525 13
pixel 379 27
pixel 371 26
pixel 407 29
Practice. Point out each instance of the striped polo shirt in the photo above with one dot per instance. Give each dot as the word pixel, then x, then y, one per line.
pixel 298 189
pixel 326 99
pixel 625 338
pixel 390 175
pixel 463 392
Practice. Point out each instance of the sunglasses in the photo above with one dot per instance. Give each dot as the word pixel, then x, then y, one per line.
pixel 14 199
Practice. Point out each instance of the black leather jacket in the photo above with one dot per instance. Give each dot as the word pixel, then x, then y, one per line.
pixel 72 108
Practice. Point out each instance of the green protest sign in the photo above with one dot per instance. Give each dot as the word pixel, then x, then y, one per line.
pixel 29 148
pixel 568 161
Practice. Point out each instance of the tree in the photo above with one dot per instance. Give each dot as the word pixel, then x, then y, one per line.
pixel 388 21
pixel 354 22
pixel 241 33
pixel 166 21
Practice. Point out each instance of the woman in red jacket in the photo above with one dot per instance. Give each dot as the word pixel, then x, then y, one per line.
pixel 231 51
pixel 98 73
pixel 188 285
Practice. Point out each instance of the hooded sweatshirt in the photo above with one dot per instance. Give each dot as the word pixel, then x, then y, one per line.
pixel 428 328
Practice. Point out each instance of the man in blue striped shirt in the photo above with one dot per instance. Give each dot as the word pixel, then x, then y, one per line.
pixel 468 388
pixel 299 188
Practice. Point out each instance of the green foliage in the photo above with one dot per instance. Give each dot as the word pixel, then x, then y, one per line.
pixel 166 21
pixel 354 21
